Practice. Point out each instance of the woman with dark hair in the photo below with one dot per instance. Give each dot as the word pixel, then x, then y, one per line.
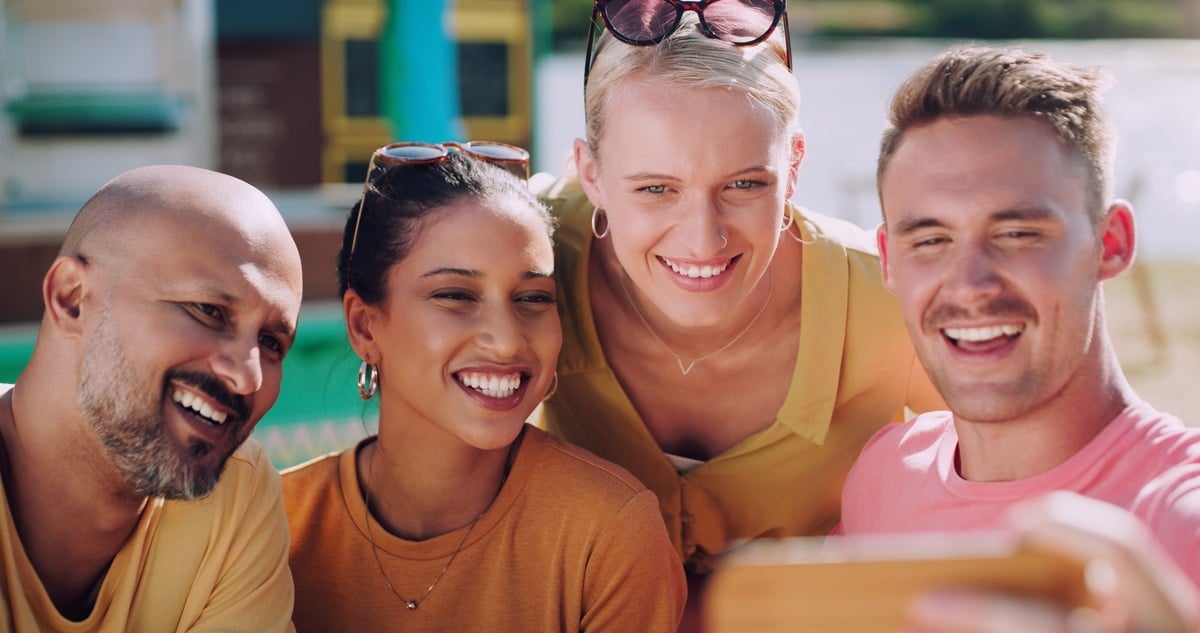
pixel 457 515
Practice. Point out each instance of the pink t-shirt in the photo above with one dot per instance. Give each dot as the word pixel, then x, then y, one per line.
pixel 1144 461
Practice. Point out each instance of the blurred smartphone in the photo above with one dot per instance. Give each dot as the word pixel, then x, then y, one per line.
pixel 865 584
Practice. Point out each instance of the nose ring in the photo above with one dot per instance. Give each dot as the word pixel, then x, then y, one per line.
pixel 724 240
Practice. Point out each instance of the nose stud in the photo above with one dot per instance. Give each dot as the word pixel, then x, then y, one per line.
pixel 724 240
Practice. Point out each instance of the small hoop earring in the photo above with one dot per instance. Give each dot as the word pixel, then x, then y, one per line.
pixel 796 237
pixel 368 380
pixel 724 240
pixel 553 387
pixel 597 213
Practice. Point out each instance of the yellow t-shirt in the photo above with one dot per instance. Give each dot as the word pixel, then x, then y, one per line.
pixel 571 543
pixel 856 371
pixel 217 564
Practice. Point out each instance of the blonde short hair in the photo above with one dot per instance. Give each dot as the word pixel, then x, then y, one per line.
pixel 688 58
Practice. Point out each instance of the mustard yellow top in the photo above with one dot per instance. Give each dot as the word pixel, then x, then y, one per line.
pixel 856 371
pixel 216 564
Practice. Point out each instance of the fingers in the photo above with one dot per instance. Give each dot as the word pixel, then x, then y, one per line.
pixel 982 612
pixel 1136 586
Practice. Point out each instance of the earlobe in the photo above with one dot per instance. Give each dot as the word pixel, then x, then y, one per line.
pixel 358 316
pixel 63 291
pixel 1117 240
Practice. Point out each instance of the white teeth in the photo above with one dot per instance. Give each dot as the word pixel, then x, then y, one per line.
pixel 695 272
pixel 491 385
pixel 979 334
pixel 189 400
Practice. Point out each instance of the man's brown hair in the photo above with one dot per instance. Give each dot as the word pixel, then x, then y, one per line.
pixel 973 80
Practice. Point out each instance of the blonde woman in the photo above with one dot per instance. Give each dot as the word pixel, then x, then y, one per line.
pixel 731 350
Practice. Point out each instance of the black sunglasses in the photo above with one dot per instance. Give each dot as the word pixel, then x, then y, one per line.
pixel 648 22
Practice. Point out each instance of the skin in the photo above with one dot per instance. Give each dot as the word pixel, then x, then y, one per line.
pixel 989 247
pixel 669 193
pixel 1134 584
pixel 474 298
pixel 204 304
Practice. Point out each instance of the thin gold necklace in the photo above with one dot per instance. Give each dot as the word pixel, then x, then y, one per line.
pixel 410 604
pixel 686 370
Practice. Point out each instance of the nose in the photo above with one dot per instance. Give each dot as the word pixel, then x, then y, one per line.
pixel 704 229
pixel 500 333
pixel 239 364
pixel 971 275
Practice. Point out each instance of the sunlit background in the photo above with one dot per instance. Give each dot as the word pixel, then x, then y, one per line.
pixel 293 95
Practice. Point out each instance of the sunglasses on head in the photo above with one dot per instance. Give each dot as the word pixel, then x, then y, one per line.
pixel 510 157
pixel 648 22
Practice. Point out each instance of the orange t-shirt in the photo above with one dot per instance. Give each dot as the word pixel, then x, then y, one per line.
pixel 571 543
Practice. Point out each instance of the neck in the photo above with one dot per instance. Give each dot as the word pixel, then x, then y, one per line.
pixel 1051 433
pixel 418 493
pixel 70 522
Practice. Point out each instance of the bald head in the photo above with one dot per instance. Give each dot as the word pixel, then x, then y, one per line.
pixel 180 197
pixel 168 313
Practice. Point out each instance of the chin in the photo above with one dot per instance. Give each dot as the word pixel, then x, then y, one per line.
pixel 497 437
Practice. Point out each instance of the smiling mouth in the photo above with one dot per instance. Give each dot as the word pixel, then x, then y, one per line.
pixel 198 406
pixel 697 272
pixel 491 385
pixel 982 335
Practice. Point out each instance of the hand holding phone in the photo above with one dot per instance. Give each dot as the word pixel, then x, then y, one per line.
pixel 867 584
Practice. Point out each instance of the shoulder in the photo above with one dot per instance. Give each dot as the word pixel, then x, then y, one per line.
pixel 579 473
pixel 313 471
pixel 914 436
pixel 244 508
pixel 855 239
pixel 832 242
pixel 308 486
pixel 248 472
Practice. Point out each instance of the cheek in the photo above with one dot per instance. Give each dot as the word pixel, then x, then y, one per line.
pixel 269 393
pixel 544 333
pixel 914 286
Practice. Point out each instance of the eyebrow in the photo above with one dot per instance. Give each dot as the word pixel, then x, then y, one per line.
pixel 284 328
pixel 475 274
pixel 279 326
pixel 647 175
pixel 1008 215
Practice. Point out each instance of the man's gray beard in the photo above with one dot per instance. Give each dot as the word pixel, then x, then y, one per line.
pixel 125 417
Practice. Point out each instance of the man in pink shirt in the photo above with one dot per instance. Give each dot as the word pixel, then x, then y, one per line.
pixel 995 179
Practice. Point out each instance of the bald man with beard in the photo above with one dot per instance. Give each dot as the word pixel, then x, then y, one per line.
pixel 132 499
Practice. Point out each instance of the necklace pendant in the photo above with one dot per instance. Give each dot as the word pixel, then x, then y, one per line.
pixel 685 370
pixel 411 604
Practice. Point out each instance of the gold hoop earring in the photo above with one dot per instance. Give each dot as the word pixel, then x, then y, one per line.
pixel 368 380
pixel 597 213
pixel 796 237
pixel 553 387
